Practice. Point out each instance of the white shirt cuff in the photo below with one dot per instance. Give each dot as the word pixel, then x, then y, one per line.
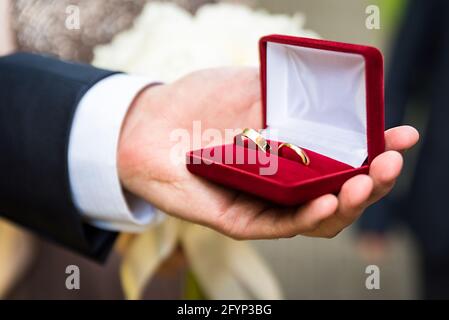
pixel 92 157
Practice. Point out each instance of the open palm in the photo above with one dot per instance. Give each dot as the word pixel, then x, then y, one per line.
pixel 229 98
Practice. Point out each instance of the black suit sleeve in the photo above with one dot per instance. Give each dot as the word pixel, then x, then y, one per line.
pixel 38 98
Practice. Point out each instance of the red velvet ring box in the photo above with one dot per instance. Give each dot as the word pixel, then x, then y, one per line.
pixel 323 96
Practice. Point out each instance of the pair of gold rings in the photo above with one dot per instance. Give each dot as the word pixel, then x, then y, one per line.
pixel 263 145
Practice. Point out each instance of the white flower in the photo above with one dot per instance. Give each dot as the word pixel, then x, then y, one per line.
pixel 167 42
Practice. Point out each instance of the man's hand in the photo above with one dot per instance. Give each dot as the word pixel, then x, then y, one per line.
pixel 225 99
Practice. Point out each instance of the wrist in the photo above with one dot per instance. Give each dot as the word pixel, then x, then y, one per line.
pixel 139 118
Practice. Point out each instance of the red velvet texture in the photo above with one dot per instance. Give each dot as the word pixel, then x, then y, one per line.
pixel 239 166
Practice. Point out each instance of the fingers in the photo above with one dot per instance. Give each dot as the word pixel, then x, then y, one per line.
pixel 361 191
pixel 325 216
pixel 328 215
pixel 384 171
pixel 311 216
pixel 401 138
pixel 353 198
pixel 275 223
pixel 351 202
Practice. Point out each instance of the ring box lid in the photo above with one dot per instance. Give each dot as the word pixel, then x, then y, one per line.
pixel 325 96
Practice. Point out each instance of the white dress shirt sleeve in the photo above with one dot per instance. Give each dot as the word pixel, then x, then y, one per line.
pixel 92 157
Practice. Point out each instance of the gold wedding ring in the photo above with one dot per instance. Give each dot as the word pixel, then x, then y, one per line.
pixel 301 153
pixel 257 138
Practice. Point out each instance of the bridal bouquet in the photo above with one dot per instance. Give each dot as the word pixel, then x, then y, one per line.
pixel 165 43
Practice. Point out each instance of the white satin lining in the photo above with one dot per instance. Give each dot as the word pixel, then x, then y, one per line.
pixel 316 99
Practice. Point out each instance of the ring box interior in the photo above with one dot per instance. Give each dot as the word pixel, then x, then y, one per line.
pixel 325 97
